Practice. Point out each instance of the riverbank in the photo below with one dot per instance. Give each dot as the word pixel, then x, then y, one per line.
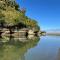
pixel 17 33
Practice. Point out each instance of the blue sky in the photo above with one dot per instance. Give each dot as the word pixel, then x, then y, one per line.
pixel 46 12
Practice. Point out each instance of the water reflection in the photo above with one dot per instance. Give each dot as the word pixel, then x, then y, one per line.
pixel 12 48
pixel 58 55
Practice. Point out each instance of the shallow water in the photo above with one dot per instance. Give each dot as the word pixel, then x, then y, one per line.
pixel 36 48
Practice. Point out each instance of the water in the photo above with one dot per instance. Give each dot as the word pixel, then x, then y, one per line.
pixel 35 48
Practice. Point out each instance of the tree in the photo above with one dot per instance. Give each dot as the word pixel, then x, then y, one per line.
pixel 11 15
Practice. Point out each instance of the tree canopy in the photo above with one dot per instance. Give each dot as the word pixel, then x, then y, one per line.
pixel 11 15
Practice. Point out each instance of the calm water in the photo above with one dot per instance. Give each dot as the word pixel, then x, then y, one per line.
pixel 35 48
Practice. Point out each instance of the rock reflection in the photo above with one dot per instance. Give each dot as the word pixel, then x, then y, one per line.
pixel 12 48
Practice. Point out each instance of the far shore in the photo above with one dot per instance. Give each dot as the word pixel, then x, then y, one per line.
pixel 53 34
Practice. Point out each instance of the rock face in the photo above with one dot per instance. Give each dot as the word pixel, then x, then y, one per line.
pixel 31 32
pixel 16 33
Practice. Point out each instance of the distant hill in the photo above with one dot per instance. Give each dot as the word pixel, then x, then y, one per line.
pixel 53 32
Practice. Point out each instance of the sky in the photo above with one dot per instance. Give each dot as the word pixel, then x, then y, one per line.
pixel 45 12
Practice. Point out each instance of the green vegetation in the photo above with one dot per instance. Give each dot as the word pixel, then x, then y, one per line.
pixel 11 16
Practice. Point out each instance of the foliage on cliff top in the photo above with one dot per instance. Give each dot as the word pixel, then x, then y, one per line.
pixel 11 15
